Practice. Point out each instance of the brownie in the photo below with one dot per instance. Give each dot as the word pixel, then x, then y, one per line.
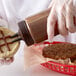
pixel 60 51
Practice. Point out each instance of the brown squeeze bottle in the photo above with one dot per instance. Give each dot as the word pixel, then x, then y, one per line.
pixel 34 29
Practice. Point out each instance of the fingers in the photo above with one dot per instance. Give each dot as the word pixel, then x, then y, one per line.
pixel 69 18
pixel 66 18
pixel 62 23
pixel 62 26
pixel 51 23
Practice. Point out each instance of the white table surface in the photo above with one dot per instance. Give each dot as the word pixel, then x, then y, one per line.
pixel 17 68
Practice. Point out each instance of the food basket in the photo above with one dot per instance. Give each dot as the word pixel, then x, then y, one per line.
pixel 59 67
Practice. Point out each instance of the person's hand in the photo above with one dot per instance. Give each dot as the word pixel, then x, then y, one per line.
pixel 64 13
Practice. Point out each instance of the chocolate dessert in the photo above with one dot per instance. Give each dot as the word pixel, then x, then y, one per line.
pixel 60 51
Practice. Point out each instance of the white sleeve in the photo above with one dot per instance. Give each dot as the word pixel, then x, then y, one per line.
pixel 17 10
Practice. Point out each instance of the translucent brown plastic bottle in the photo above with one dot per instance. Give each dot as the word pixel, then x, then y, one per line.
pixel 34 28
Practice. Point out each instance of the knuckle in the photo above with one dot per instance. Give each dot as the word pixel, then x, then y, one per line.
pixel 52 22
pixel 63 32
pixel 71 29
pixel 62 9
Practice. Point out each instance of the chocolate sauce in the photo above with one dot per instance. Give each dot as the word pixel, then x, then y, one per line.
pixel 5 44
pixel 4 39
pixel 34 29
pixel 1 50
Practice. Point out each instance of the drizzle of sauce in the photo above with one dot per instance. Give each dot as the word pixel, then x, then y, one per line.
pixel 6 43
